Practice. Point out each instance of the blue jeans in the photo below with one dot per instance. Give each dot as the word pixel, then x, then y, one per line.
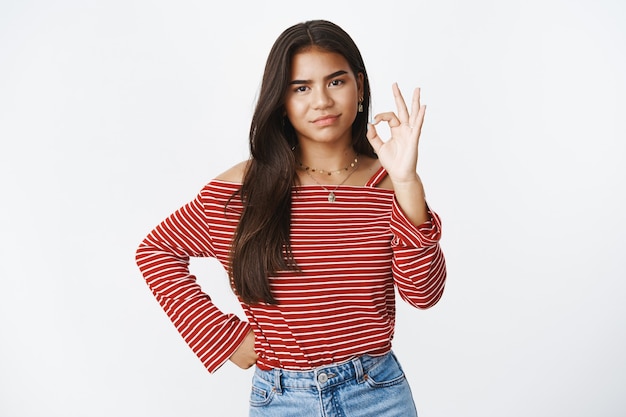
pixel 362 387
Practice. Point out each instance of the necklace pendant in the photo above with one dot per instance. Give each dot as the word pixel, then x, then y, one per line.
pixel 331 197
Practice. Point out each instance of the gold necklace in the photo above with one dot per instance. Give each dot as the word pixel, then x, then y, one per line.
pixel 323 171
pixel 331 194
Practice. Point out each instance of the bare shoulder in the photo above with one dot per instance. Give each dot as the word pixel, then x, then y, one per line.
pixel 234 174
pixel 368 168
pixel 385 183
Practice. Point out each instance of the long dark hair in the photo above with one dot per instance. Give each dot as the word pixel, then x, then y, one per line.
pixel 261 244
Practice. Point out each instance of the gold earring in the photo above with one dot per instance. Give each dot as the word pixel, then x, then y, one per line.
pixel 360 105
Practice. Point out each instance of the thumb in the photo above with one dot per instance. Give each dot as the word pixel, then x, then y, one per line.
pixel 373 138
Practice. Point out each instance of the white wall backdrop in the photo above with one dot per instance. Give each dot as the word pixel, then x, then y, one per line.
pixel 115 113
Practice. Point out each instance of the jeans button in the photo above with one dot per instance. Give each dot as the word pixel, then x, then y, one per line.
pixel 322 378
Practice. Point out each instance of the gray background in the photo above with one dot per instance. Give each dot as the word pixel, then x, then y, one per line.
pixel 115 113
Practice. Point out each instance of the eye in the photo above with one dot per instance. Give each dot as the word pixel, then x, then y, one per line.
pixel 335 83
pixel 300 89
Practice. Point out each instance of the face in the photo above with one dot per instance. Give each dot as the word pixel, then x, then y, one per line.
pixel 322 98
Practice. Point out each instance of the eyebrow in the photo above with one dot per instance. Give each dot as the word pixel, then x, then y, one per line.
pixel 328 77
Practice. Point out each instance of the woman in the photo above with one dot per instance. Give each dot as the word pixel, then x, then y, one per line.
pixel 316 230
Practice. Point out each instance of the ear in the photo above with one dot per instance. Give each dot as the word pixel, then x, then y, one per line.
pixel 359 83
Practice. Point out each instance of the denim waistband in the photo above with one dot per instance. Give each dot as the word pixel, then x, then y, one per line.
pixel 322 377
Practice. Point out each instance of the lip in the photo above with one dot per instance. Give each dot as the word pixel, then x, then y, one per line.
pixel 326 120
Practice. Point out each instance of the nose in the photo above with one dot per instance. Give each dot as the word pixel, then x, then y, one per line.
pixel 321 98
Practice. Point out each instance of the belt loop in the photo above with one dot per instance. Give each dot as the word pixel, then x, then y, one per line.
pixel 358 368
pixel 277 386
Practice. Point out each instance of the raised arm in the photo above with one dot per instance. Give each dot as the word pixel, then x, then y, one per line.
pixel 419 265
pixel 399 154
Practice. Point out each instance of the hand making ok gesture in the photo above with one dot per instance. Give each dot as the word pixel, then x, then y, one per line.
pixel 398 154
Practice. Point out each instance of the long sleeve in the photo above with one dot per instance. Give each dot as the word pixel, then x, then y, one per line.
pixel 163 259
pixel 419 267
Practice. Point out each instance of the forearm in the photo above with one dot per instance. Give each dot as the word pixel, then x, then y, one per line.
pixel 419 266
pixel 420 275
pixel 412 200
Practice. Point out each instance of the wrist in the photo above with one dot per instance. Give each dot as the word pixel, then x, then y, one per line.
pixel 411 184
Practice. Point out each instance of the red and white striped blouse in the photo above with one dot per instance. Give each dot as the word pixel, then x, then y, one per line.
pixel 341 304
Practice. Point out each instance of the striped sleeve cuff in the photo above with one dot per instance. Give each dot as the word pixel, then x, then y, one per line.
pixel 406 234
pixel 215 356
